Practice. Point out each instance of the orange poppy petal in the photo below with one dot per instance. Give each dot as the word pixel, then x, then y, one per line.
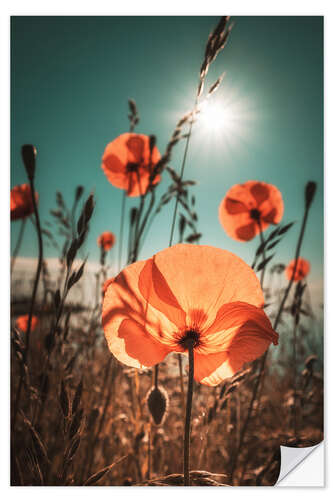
pixel 106 240
pixel 205 365
pixel 21 204
pixel 235 207
pixel 239 224
pixel 202 278
pixel 136 146
pixel 246 333
pixel 260 192
pixel 22 323
pixel 231 318
pixel 140 345
pixel 130 149
pixel 246 233
pixel 302 269
pixel 157 292
pixel 271 217
pixel 124 301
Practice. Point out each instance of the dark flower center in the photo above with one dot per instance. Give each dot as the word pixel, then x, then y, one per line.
pixel 189 338
pixel 255 214
pixel 132 167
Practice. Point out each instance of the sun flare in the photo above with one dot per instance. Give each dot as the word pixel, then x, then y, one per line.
pixel 216 116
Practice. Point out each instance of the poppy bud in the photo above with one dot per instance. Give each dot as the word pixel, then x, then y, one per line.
pixel 152 143
pixel 157 400
pixel 78 192
pixel 310 192
pixel 29 153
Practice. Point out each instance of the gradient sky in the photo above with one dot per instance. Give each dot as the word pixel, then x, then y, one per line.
pixel 70 81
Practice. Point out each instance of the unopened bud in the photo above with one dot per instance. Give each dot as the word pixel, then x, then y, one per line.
pixel 157 400
pixel 310 192
pixel 79 192
pixel 29 153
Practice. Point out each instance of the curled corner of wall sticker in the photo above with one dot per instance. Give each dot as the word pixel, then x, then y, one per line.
pixel 302 467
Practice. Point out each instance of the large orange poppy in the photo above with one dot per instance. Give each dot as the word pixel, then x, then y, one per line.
pixel 22 323
pixel 106 240
pixel 249 206
pixel 194 292
pixel 128 163
pixel 21 204
pixel 302 269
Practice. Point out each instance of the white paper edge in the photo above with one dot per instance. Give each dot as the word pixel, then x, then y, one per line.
pixel 296 471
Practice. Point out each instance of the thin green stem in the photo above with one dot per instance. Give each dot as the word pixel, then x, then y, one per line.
pixel 187 429
pixel 18 245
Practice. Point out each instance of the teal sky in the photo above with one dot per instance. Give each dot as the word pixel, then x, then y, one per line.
pixel 70 81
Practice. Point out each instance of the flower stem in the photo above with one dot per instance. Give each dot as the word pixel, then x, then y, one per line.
pixel 262 241
pixel 156 376
pixel 18 245
pixel 121 229
pixel 295 377
pixel 187 429
pixel 33 299
pixel 180 366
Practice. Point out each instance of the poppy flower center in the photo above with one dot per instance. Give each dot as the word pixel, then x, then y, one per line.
pixel 190 338
pixel 132 167
pixel 255 214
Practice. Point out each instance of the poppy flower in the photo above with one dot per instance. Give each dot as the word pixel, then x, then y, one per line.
pixel 194 293
pixel 106 240
pixel 128 162
pixel 302 269
pixel 21 204
pixel 248 207
pixel 22 323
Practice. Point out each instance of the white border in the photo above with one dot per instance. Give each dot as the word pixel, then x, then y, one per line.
pixel 131 7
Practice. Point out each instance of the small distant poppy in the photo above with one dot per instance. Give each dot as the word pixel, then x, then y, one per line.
pixel 188 293
pixel 106 240
pixel 249 206
pixel 302 269
pixel 22 323
pixel 21 204
pixel 128 163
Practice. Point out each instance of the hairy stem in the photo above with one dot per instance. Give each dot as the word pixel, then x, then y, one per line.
pixel 156 376
pixel 262 241
pixel 187 429
pixel 180 366
pixel 123 203
pixel 295 377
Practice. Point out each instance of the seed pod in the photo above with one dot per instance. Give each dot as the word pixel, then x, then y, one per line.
pixel 78 192
pixel 310 190
pixel 29 153
pixel 157 400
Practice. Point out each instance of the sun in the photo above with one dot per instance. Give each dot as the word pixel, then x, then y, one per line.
pixel 217 117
